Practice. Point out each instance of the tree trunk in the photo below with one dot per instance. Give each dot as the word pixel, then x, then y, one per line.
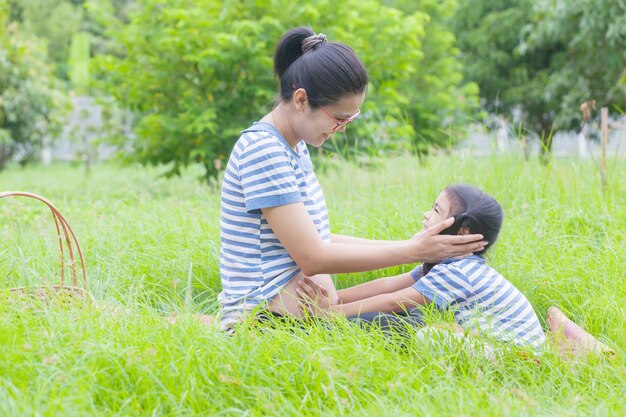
pixel 5 155
pixel 526 149
pixel 545 151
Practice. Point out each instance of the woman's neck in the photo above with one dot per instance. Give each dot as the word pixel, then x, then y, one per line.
pixel 279 117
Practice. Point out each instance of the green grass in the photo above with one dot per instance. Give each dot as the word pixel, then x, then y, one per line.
pixel 152 249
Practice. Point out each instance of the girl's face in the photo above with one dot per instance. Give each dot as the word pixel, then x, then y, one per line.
pixel 319 124
pixel 439 212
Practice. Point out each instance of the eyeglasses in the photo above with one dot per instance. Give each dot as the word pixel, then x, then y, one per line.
pixel 339 124
pixel 343 122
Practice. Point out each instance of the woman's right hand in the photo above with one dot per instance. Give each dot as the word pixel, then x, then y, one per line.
pixel 429 246
pixel 296 231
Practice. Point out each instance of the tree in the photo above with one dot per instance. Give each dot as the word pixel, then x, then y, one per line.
pixel 489 35
pixel 544 56
pixel 440 101
pixel 29 103
pixel 53 21
pixel 591 63
pixel 197 72
pixel 56 21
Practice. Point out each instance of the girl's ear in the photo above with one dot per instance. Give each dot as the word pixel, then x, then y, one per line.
pixel 464 230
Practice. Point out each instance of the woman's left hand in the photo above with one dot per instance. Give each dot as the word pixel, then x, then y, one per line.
pixel 313 297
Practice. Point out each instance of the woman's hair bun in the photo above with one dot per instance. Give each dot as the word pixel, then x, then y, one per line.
pixel 290 48
pixel 312 41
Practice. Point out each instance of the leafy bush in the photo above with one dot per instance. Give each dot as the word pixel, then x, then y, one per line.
pixel 30 106
pixel 199 71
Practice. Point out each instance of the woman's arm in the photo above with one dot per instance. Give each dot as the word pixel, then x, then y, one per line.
pixel 359 241
pixel 375 287
pixel 296 231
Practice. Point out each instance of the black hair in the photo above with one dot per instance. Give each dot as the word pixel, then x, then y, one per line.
pixel 327 71
pixel 474 209
pixel 477 210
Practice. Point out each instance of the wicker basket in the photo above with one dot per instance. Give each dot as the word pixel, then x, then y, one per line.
pixel 67 241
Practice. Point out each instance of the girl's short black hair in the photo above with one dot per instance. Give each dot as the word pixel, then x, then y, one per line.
pixel 327 71
pixel 481 212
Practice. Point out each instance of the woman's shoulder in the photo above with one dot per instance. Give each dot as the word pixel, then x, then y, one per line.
pixel 262 135
pixel 252 143
pixel 258 133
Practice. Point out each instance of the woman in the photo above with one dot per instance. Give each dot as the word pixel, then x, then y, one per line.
pixel 274 226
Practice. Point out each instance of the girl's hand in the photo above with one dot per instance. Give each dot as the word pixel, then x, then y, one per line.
pixel 433 247
pixel 313 297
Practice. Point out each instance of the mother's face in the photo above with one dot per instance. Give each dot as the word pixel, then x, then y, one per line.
pixel 315 126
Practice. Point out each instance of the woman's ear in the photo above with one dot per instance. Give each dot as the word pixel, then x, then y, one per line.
pixel 300 99
pixel 464 230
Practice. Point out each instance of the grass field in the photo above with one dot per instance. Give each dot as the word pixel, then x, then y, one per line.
pixel 152 250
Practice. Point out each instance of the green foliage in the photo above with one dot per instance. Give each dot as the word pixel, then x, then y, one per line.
pixel 592 60
pixel 198 72
pixel 440 101
pixel 488 35
pixel 52 20
pixel 56 21
pixel 4 17
pixel 30 106
pixel 79 62
pixel 546 56
pixel 103 17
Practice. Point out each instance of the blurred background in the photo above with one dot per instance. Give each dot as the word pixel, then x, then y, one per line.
pixel 172 82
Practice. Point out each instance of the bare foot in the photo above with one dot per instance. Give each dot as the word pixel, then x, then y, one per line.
pixel 570 338
pixel 205 319
pixel 453 327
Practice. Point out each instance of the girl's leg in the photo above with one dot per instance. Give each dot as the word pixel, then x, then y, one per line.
pixel 403 324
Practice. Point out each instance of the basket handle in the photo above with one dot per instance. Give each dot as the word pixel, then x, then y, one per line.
pixel 61 225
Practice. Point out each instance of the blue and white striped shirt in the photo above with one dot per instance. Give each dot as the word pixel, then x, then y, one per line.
pixel 481 299
pixel 263 171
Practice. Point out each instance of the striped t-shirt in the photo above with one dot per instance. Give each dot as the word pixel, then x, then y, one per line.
pixel 263 171
pixel 481 299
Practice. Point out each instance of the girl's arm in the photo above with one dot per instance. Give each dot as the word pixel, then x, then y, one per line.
pixel 397 301
pixel 375 287
pixel 388 303
pixel 296 231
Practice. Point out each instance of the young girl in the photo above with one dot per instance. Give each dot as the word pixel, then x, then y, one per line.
pixel 481 298
pixel 274 225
